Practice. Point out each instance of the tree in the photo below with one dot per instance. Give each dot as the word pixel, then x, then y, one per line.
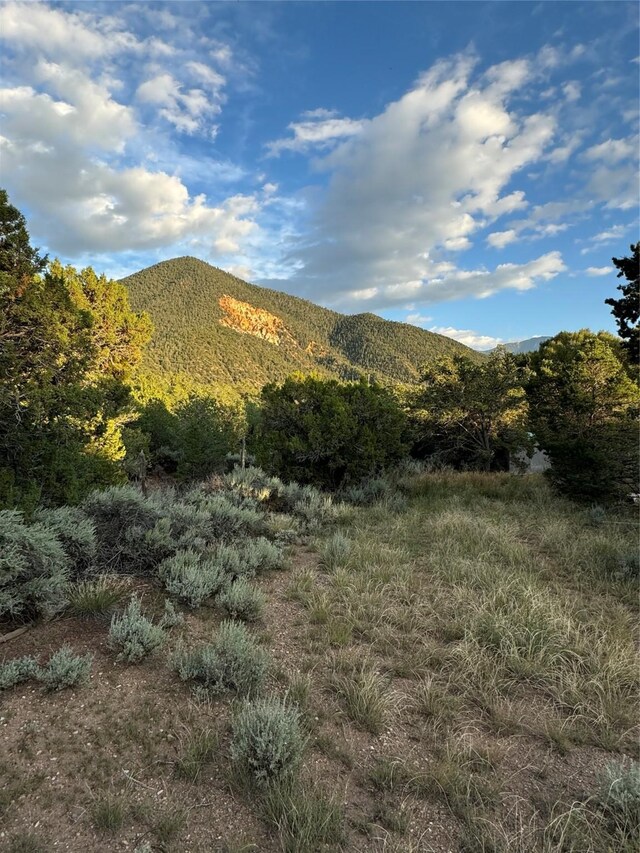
pixel 326 432
pixel 473 414
pixel 19 261
pixel 67 342
pixel 626 310
pixel 584 412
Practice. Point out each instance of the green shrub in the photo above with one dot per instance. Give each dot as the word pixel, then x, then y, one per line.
pixel 268 740
pixel 191 577
pixel 16 671
pixel 65 669
pixel 96 597
pixel 368 491
pixel 620 783
pixel 34 569
pixel 227 521
pixel 171 617
pixel 233 662
pixel 75 532
pixel 123 517
pixel 134 634
pixel 243 601
pixel 335 551
pixel 260 555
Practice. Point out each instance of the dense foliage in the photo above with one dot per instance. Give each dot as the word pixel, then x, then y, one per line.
pixel 472 415
pixel 182 297
pixel 584 412
pixel 320 431
pixel 69 342
pixel 626 309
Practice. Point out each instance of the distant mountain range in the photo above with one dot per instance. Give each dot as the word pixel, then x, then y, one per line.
pixel 529 345
pixel 214 329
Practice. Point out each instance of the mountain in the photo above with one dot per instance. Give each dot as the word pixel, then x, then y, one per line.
pixel 529 345
pixel 212 328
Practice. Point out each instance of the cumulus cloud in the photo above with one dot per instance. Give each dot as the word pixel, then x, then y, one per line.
pixel 418 181
pixel 500 239
pixel 320 129
pixel 597 271
pixel 468 337
pixel 71 151
pixel 54 32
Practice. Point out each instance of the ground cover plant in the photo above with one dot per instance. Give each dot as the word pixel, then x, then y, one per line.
pixel 447 662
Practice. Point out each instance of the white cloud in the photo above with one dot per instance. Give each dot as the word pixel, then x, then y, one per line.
pixel 500 239
pixel 321 129
pixel 613 233
pixel 468 337
pixel 420 179
pixel 613 150
pixel 76 157
pixel 418 319
pixel 187 110
pixel 55 33
pixel 597 271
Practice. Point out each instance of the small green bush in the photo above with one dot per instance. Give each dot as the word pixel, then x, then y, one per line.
pixel 98 597
pixel 233 662
pixel 65 669
pixel 17 671
pixel 620 784
pixel 335 551
pixel 243 601
pixel 134 634
pixel 171 617
pixel 75 532
pixel 191 577
pixel 260 555
pixel 123 517
pixel 34 569
pixel 268 740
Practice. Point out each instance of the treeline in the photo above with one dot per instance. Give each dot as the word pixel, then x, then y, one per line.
pixel 77 412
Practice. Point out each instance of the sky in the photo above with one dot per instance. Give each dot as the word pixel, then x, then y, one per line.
pixel 467 167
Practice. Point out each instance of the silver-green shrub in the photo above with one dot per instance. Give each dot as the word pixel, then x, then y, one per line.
pixel 76 533
pixel 135 635
pixel 243 601
pixel 65 669
pixel 171 617
pixel 260 555
pixel 16 671
pixel 232 662
pixel 268 741
pixel 34 569
pixel 192 577
pixel 620 791
pixel 123 516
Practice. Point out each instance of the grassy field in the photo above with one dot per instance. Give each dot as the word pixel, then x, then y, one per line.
pixel 464 657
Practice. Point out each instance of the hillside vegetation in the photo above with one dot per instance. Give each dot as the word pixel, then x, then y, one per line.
pixel 216 329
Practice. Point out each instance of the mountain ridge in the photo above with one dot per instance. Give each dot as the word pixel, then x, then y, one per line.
pixel 217 329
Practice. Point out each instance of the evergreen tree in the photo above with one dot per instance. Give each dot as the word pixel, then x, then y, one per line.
pixel 626 309
pixel 473 414
pixel 584 412
pixel 325 432
pixel 67 342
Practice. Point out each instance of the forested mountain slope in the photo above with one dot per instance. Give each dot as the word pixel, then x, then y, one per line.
pixel 219 330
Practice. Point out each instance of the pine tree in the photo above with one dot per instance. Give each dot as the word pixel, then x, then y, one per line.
pixel 626 310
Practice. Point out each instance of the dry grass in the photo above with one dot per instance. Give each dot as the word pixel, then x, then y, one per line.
pixel 465 668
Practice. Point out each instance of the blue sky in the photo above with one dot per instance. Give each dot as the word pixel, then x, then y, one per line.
pixel 467 167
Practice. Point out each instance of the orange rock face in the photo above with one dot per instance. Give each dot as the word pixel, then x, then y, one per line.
pixel 243 317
